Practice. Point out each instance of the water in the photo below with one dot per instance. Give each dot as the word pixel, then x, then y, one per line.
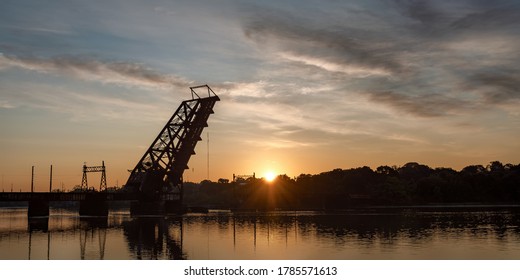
pixel 272 235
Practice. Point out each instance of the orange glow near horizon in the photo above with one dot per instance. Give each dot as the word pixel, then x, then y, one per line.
pixel 269 176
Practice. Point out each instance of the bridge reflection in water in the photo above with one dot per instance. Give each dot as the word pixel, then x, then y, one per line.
pixel 263 235
pixel 155 237
pixel 68 236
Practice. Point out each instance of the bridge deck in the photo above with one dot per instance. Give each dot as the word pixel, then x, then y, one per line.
pixel 57 196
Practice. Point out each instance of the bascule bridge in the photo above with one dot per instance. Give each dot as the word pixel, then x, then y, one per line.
pixel 157 176
pixel 155 185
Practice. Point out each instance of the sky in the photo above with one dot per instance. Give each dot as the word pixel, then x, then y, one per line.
pixel 305 86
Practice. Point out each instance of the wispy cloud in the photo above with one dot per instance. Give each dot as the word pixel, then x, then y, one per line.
pixel 348 46
pixel 80 105
pixel 497 88
pixel 331 66
pixel 41 30
pixel 412 58
pixel 6 105
pixel 111 72
pixel 497 17
pixel 424 106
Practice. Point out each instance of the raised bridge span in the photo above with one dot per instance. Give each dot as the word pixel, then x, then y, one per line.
pixel 155 185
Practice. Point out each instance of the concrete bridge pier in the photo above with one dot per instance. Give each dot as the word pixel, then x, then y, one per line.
pixel 155 207
pixel 93 205
pixel 147 207
pixel 38 208
pixel 93 208
pixel 38 224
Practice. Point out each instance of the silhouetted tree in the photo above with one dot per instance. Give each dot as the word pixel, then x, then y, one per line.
pixel 387 170
pixel 414 171
pixel 495 167
pixel 223 181
pixel 413 183
pixel 473 169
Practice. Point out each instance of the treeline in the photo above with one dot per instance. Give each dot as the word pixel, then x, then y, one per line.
pixel 410 184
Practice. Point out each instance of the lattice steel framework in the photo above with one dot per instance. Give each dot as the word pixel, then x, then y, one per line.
pixel 161 168
pixel 87 169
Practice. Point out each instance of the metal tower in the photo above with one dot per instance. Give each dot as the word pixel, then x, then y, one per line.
pixel 160 169
pixel 87 169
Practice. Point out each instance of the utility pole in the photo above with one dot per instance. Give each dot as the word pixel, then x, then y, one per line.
pixel 32 179
pixel 208 155
pixel 50 181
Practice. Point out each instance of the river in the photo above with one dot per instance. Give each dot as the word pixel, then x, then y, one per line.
pixel 297 235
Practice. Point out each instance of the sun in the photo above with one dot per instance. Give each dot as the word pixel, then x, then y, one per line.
pixel 269 176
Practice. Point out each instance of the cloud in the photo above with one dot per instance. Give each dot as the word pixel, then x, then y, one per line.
pixel 82 105
pixel 461 15
pixel 497 88
pixel 295 116
pixel 339 45
pixel 412 58
pixel 496 19
pixel 6 105
pixel 430 105
pixel 424 12
pixel 111 72
pixel 331 66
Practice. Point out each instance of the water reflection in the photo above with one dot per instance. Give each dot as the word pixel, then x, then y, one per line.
pixel 65 235
pixel 300 235
pixel 39 224
pixel 267 235
pixel 92 229
pixel 154 237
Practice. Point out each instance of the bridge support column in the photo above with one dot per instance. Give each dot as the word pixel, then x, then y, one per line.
pixel 159 207
pixel 93 208
pixel 147 208
pixel 38 224
pixel 38 208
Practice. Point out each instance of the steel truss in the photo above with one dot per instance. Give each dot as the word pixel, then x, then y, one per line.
pixel 161 167
pixel 87 169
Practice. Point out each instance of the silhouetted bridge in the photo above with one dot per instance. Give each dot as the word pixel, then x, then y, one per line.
pixel 90 203
pixel 71 196
pixel 155 185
